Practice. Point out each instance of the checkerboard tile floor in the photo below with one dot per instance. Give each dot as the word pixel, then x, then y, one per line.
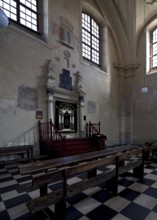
pixel 136 200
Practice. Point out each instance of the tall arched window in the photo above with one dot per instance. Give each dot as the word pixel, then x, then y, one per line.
pixel 153 48
pixel 23 12
pixel 90 39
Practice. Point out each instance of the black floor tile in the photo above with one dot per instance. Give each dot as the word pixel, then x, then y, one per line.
pixel 155 209
pixel 8 188
pixel 101 213
pixel 36 216
pixel 129 194
pixel 77 198
pixel 135 212
pixel 6 179
pixel 17 200
pixel 3 172
pixel 125 182
pixel 102 196
pixel 23 179
pixel 4 215
pixel 56 186
pixel 73 214
pixel 151 192
pixel 154 172
pixel 146 181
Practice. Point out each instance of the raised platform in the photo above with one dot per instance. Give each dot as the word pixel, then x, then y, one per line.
pixel 71 146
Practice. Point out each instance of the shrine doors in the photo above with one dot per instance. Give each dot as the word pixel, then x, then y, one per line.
pixel 66 117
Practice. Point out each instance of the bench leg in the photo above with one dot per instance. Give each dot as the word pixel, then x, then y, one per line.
pixel 43 190
pixel 60 210
pixel 147 155
pixel 112 185
pixel 91 173
pixel 139 172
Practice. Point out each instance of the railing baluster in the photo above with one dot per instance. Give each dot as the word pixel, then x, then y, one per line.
pixel 86 129
pixel 99 126
pixel 50 132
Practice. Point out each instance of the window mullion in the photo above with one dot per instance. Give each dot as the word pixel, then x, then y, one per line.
pixel 25 6
pixel 18 10
pixel 91 37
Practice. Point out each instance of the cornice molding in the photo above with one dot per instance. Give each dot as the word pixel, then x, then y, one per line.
pixel 126 67
pixel 149 2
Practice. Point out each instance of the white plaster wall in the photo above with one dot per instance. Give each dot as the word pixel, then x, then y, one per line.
pixel 24 61
pixel 144 105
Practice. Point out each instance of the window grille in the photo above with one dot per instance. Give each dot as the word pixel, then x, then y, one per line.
pixel 90 39
pixel 22 12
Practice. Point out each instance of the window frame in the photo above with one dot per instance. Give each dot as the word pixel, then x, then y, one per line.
pixel 18 12
pixel 91 59
pixel 152 47
pixel 149 28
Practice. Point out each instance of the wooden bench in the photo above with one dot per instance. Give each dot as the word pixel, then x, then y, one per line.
pixel 60 196
pixel 17 150
pixel 25 160
pixel 70 160
pixel 152 149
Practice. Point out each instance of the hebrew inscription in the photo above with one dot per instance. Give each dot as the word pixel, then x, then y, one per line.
pixel 91 107
pixel 27 98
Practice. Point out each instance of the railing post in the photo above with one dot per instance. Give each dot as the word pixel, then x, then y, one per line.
pixel 40 132
pixel 51 129
pixel 89 128
pixel 99 127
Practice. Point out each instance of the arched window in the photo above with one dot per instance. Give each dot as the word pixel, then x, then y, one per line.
pixel 23 12
pixel 90 39
pixel 153 48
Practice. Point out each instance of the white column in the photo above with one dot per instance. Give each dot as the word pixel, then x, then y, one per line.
pixel 50 107
pixel 82 128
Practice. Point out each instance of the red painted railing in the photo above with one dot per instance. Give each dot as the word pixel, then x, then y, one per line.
pixel 48 132
pixel 92 129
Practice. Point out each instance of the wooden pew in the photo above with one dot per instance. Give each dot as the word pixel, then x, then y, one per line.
pixel 69 160
pixel 17 150
pixel 153 149
pixel 137 165
pixel 60 196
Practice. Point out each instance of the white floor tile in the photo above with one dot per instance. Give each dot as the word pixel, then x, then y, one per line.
pixel 87 205
pixel 84 218
pixel 154 185
pixel 120 217
pixel 92 190
pixel 2 176
pixel 34 194
pixel 151 177
pixel 121 188
pixel 17 211
pixel 2 206
pixel 138 187
pixel 8 183
pixel 117 203
pixel 73 180
pixel 146 170
pixel 146 201
pixel 9 195
pixel 152 216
